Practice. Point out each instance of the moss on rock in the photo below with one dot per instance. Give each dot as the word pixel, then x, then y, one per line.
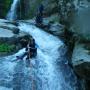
pixel 4 47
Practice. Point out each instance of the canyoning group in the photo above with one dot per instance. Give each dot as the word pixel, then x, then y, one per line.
pixel 40 59
pixel 31 48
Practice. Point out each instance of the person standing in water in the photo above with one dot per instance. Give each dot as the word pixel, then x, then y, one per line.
pixel 41 9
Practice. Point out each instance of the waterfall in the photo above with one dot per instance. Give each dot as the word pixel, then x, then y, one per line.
pixel 12 14
pixel 47 71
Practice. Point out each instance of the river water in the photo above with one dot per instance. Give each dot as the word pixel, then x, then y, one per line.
pixel 49 70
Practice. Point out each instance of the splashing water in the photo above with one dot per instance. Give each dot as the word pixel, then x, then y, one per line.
pixel 47 71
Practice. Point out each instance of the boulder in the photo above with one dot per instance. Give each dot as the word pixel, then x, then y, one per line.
pixel 9 25
pixel 81 63
pixel 16 31
pixel 81 51
pixel 80 54
pixel 57 29
pixel 81 60
pixel 54 28
pixel 6 33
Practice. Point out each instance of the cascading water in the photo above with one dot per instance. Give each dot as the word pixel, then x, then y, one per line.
pixel 48 71
pixel 12 13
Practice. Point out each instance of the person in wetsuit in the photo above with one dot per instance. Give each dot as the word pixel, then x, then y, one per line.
pixel 31 49
pixel 39 15
pixel 41 9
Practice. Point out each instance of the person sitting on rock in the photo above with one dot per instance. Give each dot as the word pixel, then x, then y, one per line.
pixel 33 48
pixel 26 53
pixel 30 50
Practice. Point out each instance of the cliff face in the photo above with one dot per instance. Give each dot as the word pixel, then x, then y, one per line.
pixel 27 8
pixel 81 32
pixel 30 7
pixel 4 7
pixel 64 8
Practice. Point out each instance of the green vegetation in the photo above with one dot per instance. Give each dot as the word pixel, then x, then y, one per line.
pixel 27 10
pixel 4 7
pixel 7 48
pixel 33 8
pixel 87 46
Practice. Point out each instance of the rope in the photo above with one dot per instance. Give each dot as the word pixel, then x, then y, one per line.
pixel 32 80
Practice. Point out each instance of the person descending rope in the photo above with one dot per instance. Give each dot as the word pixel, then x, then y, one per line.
pixel 30 50
pixel 33 49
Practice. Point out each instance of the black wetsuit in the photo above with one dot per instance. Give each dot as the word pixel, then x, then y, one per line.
pixel 39 16
pixel 33 49
pixel 41 9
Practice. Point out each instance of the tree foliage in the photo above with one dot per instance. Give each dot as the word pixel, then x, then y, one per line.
pixel 4 7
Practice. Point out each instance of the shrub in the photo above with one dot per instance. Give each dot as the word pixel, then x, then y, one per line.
pixel 7 48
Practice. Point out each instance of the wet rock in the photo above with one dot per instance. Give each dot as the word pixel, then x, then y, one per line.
pixel 54 26
pixel 57 29
pixel 6 33
pixel 51 24
pixel 16 31
pixel 81 60
pixel 12 37
pixel 5 24
pixel 53 18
